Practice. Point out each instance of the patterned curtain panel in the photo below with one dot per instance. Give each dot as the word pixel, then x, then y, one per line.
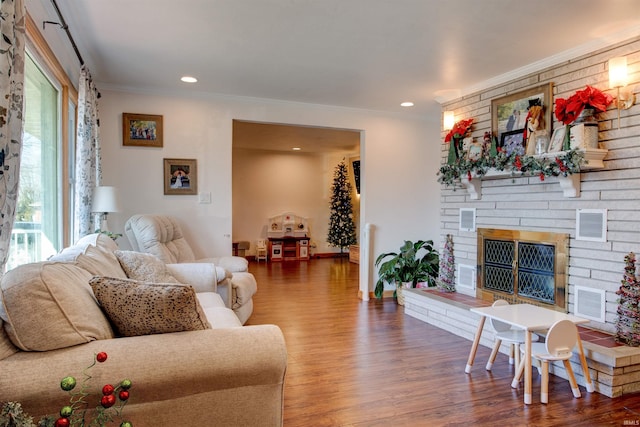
pixel 12 26
pixel 88 158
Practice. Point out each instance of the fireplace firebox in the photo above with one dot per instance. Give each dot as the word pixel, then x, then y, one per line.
pixel 523 267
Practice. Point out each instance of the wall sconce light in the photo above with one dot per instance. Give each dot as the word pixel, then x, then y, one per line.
pixel 105 200
pixel 618 78
pixel 448 120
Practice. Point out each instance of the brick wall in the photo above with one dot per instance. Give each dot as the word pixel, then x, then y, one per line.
pixel 531 204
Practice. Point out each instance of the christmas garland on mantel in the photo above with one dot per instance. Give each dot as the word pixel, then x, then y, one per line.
pixel 564 164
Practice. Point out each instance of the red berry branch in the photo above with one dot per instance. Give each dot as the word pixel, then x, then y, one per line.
pixel 77 412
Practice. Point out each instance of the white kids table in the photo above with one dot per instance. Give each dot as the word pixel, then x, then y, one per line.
pixel 530 318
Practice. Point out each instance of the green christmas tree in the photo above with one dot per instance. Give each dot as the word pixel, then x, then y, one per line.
pixel 342 229
pixel 628 322
pixel 447 276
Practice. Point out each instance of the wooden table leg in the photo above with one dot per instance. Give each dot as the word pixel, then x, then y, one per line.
pixel 527 368
pixel 474 347
pixel 585 368
pixel 518 374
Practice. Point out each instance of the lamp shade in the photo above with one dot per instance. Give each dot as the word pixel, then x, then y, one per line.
pixel 448 120
pixel 618 72
pixel 105 199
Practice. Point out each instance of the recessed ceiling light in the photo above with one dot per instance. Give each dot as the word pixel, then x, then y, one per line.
pixel 407 104
pixel 189 79
pixel 296 148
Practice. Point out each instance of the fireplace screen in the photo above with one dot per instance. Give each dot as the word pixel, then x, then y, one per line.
pixel 522 266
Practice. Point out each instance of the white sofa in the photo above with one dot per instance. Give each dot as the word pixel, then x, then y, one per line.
pixel 184 349
pixel 162 236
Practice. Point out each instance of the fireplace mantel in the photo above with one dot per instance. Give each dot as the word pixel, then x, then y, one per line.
pixel 570 185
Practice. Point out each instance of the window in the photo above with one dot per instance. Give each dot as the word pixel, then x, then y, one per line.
pixel 42 224
pixel 36 231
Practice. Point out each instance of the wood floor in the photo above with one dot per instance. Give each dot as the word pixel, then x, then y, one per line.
pixel 355 363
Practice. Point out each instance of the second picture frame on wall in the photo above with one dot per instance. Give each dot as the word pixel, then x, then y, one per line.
pixel 180 176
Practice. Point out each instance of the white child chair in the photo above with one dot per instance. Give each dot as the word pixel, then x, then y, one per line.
pixel 504 332
pixel 261 250
pixel 561 339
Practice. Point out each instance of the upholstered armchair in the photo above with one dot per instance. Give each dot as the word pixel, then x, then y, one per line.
pixel 161 235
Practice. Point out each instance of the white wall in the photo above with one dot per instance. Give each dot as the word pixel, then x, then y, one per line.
pixel 399 193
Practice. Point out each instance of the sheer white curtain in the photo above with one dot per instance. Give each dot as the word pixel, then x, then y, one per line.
pixel 12 16
pixel 88 157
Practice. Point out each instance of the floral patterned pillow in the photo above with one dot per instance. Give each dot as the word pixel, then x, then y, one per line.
pixel 144 267
pixel 138 308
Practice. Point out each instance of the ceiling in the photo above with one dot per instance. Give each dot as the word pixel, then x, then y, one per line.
pixel 362 54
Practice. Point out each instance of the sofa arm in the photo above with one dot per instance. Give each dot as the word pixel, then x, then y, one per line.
pixel 225 289
pixel 239 290
pixel 244 287
pixel 204 277
pixel 245 362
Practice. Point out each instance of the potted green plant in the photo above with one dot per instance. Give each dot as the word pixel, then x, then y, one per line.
pixel 415 262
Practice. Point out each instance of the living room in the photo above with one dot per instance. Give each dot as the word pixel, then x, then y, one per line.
pixel 401 152
pixel 392 145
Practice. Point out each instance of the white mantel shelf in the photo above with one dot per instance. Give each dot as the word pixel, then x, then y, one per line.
pixel 570 185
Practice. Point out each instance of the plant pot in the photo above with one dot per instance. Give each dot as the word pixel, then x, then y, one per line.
pixel 452 157
pixel 400 291
pixel 585 116
pixel 399 295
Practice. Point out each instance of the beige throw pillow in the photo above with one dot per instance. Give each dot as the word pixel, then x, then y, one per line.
pixel 100 262
pixel 49 305
pixel 96 239
pixel 138 308
pixel 144 267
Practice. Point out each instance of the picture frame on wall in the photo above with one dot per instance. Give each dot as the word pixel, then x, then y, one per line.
pixel 557 140
pixel 509 113
pixel 180 177
pixel 513 142
pixel 142 130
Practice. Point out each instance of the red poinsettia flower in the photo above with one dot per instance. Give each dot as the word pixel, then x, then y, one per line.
pixel 561 111
pixel 567 110
pixel 459 129
pixel 594 98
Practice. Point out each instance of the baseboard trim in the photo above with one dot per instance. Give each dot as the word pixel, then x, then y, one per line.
pixel 318 256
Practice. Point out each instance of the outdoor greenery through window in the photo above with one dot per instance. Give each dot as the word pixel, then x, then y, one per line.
pixel 37 228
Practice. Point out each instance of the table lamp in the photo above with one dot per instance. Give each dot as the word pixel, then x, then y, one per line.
pixel 105 200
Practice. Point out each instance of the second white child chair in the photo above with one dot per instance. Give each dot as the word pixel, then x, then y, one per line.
pixel 560 341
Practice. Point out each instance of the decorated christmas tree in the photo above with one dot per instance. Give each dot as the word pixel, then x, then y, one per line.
pixel 447 276
pixel 342 229
pixel 628 323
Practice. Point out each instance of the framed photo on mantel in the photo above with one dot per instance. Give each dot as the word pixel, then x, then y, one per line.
pixel 513 142
pixel 509 113
pixel 141 130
